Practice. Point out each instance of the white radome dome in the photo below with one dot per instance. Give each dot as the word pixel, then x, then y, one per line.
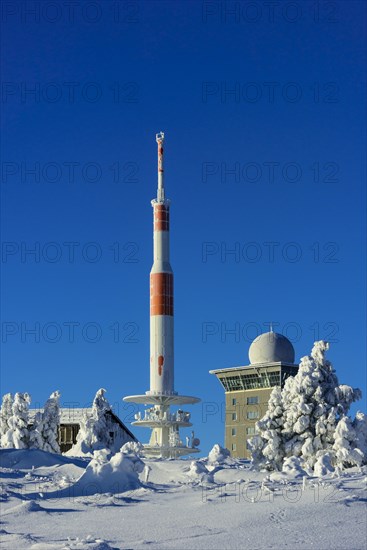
pixel 271 347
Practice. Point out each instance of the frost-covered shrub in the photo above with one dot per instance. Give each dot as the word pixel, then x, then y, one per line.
pixel 307 419
pixel 17 436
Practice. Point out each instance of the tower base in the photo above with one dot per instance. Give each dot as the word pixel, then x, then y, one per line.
pixel 165 439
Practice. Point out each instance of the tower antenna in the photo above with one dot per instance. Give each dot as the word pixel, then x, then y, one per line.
pixel 160 191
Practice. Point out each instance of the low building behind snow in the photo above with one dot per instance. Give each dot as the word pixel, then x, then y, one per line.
pixel 71 420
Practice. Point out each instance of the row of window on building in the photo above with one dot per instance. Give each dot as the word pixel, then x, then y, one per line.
pixel 234 445
pixel 251 415
pixel 254 400
pixel 250 430
pixel 251 381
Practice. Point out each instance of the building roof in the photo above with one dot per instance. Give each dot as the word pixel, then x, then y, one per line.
pixel 236 370
pixel 77 416
pixel 271 347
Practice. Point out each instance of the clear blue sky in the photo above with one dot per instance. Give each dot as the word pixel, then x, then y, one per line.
pixel 276 97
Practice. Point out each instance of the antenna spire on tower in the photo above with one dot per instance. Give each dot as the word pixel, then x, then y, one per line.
pixel 160 191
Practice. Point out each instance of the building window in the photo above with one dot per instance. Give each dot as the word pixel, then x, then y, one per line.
pixel 250 430
pixel 234 431
pixel 253 400
pixel 248 445
pixel 233 446
pixel 234 416
pixel 251 415
pixel 66 434
pixel 234 401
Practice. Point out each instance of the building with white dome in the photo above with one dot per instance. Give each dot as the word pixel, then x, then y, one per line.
pixel 248 388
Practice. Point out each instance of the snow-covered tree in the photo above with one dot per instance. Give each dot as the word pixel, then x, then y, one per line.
pixel 360 426
pixel 94 434
pixel 303 417
pixel 267 446
pixel 50 423
pixel 35 432
pixel 5 414
pixel 44 433
pixel 345 451
pixel 17 436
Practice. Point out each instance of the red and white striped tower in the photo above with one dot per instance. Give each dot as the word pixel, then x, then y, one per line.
pixel 165 438
pixel 161 291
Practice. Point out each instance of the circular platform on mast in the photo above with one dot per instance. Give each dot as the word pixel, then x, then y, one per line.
pixel 162 399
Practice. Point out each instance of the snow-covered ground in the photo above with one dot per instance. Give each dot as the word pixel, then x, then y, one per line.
pixel 176 504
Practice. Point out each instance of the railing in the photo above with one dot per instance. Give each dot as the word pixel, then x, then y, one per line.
pixel 157 416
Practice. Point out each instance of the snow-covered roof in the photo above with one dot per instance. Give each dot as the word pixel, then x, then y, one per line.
pixel 67 415
pixel 76 416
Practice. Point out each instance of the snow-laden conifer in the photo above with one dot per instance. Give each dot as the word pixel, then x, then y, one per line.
pixel 49 424
pixel 5 414
pixel 94 434
pixel 302 419
pixel 360 426
pixel 17 436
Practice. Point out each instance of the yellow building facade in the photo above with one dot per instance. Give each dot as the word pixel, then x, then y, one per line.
pixel 248 388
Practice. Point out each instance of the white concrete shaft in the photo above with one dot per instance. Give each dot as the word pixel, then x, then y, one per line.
pixel 161 345
pixel 161 252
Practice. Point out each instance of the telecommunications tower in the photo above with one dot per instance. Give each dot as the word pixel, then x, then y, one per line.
pixel 165 437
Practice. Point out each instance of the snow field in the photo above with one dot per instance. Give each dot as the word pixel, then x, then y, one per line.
pixel 46 503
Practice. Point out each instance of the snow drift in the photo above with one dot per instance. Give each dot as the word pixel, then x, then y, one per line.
pixel 106 474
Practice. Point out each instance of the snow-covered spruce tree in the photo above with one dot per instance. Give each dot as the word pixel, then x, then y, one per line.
pixel 345 450
pixel 50 423
pixel 266 447
pixel 35 432
pixel 93 434
pixel 5 414
pixel 44 433
pixel 17 436
pixel 360 426
pixel 302 419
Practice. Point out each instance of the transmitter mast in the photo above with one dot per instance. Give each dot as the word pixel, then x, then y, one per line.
pixel 165 437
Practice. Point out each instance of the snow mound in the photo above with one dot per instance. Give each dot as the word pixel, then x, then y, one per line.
pixel 199 472
pixel 323 465
pixel 26 459
pixel 132 447
pixel 24 508
pixel 89 543
pixel 110 475
pixel 219 455
pixel 293 466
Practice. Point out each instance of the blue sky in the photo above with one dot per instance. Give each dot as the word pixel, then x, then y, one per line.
pixel 264 115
